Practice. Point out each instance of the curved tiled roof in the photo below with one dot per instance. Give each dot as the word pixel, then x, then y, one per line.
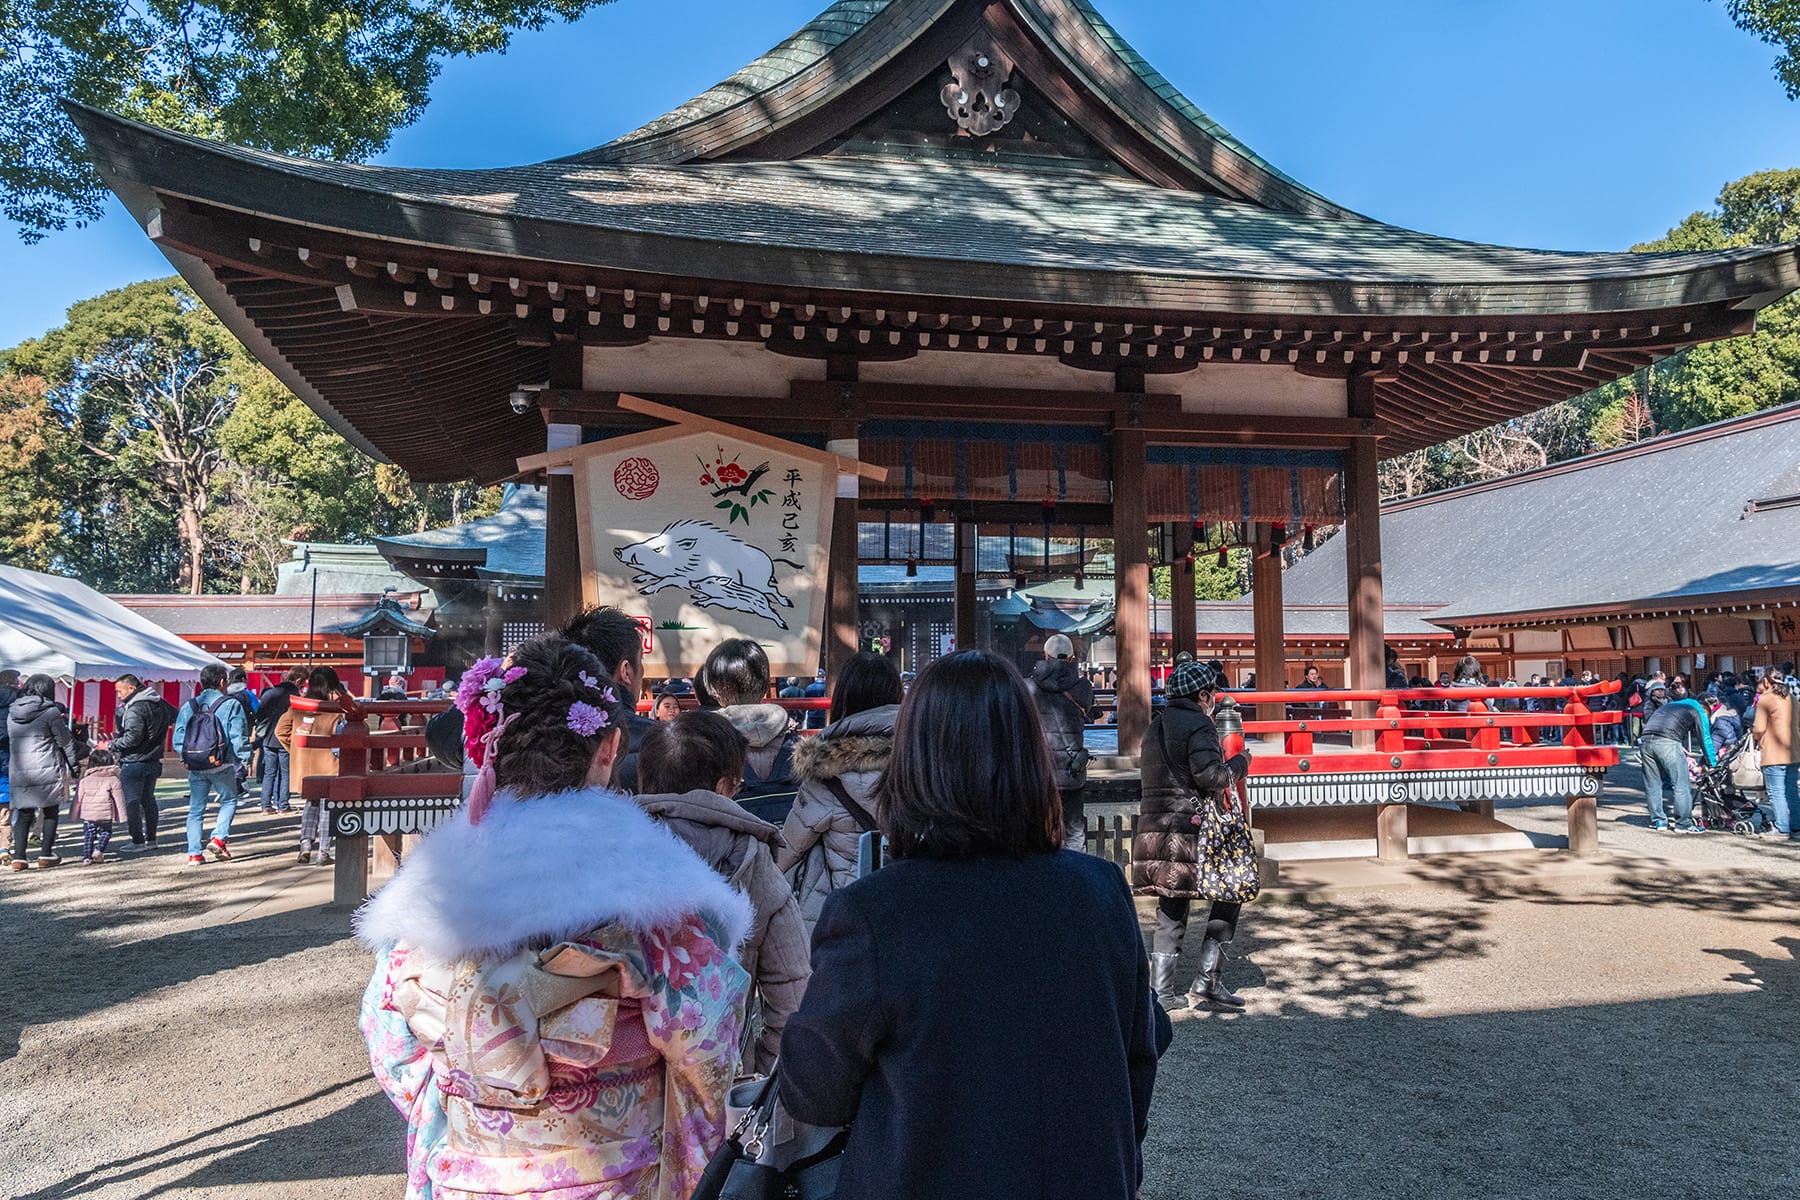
pixel 1664 521
pixel 996 232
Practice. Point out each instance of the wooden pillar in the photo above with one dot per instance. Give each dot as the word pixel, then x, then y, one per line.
pixel 1182 634
pixel 966 568
pixel 842 618
pixel 562 536
pixel 1362 557
pixel 1268 624
pixel 1584 825
pixel 1131 580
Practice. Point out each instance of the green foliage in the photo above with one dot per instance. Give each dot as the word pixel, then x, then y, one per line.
pixel 143 449
pixel 1742 375
pixel 1698 386
pixel 1776 22
pixel 1211 581
pixel 331 78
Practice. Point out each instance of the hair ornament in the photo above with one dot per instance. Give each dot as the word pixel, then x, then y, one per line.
pixel 588 681
pixel 585 719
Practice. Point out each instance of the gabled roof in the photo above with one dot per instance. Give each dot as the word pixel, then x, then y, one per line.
pixel 405 305
pixel 507 545
pixel 1652 526
pixel 846 48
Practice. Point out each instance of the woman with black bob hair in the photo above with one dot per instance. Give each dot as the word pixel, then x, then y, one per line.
pixel 899 1036
pixel 556 1005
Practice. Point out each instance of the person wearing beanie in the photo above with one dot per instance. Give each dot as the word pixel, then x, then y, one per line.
pixel 1063 699
pixel 1184 767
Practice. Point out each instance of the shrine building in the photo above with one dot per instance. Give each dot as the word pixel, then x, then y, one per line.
pixel 981 243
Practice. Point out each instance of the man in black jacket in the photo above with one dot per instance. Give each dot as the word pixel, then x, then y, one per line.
pixel 141 724
pixel 1063 699
pixel 270 706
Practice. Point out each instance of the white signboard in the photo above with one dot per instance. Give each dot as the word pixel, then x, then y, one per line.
pixel 707 534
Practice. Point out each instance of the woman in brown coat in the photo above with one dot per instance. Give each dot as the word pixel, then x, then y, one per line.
pixel 1774 734
pixel 687 770
pixel 1183 768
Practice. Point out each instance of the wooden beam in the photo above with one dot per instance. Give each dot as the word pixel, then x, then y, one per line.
pixel 967 568
pixel 1268 623
pixel 1362 559
pixel 1131 582
pixel 1182 617
pixel 843 598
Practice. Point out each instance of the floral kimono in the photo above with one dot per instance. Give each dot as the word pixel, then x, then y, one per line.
pixel 555 1007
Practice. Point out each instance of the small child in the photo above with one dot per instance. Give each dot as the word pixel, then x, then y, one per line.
pixel 99 801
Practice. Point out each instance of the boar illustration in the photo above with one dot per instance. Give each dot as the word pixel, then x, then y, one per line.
pixel 718 569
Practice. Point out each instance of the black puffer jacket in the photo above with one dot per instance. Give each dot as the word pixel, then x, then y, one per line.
pixel 143 723
pixel 1063 698
pixel 1165 854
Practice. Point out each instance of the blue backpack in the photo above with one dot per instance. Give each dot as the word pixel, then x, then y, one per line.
pixel 204 746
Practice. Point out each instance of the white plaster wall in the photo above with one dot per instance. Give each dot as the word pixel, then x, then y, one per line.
pixel 695 367
pixel 955 368
pixel 1269 389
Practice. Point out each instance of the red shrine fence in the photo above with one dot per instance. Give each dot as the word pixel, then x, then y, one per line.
pixel 372 773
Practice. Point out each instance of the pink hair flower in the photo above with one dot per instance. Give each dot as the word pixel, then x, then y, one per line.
pixel 585 719
pixel 514 673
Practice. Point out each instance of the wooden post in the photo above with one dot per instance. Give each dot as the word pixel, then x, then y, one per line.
pixel 1182 620
pixel 1390 832
pixel 1131 580
pixel 1584 825
pixel 842 616
pixel 1269 627
pixel 562 530
pixel 1362 558
pixel 966 568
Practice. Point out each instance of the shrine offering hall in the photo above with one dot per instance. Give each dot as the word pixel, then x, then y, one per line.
pixel 982 245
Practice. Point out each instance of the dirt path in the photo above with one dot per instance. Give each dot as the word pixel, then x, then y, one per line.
pixel 177 1032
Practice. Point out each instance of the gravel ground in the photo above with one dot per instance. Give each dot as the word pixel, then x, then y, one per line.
pixel 175 1032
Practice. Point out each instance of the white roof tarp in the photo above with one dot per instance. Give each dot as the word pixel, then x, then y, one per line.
pixel 63 628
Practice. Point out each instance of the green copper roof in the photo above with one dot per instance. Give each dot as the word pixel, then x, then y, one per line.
pixel 805 48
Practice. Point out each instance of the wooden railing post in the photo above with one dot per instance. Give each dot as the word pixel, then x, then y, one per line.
pixel 1579 728
pixel 1391 740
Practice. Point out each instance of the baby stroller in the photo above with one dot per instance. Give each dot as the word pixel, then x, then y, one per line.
pixel 1723 801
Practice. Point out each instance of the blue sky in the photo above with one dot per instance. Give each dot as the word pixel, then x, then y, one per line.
pixel 1564 124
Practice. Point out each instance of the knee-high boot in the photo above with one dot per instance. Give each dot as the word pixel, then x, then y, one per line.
pixel 1162 978
pixel 1209 985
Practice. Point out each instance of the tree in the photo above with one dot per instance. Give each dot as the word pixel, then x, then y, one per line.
pixel 1776 22
pixel 1742 375
pixel 332 78
pixel 30 514
pixel 139 377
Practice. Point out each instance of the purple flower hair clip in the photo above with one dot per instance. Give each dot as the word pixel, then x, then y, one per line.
pixel 585 719
pixel 588 681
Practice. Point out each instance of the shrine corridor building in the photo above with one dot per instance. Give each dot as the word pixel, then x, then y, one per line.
pixel 981 243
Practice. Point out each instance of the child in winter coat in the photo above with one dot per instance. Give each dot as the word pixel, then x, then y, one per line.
pixel 99 801
pixel 687 770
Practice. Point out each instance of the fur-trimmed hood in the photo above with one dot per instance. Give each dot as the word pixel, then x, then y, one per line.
pixel 709 808
pixel 543 870
pixel 760 724
pixel 863 741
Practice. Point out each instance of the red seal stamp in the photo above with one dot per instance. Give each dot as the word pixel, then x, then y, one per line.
pixel 636 478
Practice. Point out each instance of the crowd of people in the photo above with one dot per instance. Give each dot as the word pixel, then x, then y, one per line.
pixel 570 975
pixel 232 741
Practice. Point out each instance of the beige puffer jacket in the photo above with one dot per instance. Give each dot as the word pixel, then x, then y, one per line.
pixel 1774 729
pixel 742 849
pixel 819 838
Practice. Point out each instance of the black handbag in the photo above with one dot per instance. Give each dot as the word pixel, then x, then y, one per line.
pixel 741 1168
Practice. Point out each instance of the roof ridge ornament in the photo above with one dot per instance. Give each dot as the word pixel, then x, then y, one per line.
pixel 979 97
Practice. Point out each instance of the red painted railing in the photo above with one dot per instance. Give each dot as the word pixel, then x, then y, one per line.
pixel 1411 739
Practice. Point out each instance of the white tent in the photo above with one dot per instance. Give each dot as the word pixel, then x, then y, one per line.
pixel 65 629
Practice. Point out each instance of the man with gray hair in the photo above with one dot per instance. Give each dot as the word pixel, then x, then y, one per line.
pixel 1063 698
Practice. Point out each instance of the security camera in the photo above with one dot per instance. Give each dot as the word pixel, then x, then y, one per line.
pixel 520 401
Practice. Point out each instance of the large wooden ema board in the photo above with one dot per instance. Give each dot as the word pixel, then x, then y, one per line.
pixel 706 531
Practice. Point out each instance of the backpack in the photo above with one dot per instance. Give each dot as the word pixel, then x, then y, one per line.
pixel 769 797
pixel 204 746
